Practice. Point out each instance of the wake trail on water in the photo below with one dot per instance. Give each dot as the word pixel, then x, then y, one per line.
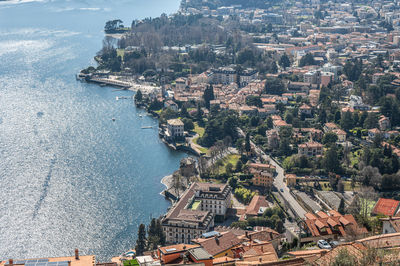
pixel 45 188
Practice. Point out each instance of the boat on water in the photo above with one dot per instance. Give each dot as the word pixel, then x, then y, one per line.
pixel 117 98
pixel 146 127
pixel 140 115
pixel 113 119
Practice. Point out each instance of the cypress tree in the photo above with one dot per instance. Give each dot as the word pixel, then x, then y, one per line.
pixel 141 240
pixel 341 206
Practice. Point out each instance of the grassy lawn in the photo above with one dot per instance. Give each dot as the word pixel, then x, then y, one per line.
pixel 232 158
pixel 370 206
pixel 203 150
pixel 199 130
pixel 121 53
pixel 347 186
pixel 131 263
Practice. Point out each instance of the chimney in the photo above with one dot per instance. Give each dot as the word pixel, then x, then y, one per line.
pixel 11 262
pixel 262 248
pixel 323 252
pixel 247 234
pixel 217 240
pixel 260 259
pixel 76 254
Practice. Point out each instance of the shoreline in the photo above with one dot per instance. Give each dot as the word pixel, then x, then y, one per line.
pixel 166 181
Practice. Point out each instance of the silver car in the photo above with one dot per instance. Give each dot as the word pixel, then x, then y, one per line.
pixel 323 244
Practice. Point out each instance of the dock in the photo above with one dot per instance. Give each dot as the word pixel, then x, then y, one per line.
pixel 112 82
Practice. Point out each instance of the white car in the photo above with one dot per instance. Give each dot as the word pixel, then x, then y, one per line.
pixel 323 244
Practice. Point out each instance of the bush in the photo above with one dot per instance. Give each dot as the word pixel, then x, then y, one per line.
pixel 244 195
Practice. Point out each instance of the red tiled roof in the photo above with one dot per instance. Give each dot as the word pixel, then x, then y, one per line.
pixel 386 207
pixel 216 245
pixel 256 203
pixel 322 214
pixel 332 223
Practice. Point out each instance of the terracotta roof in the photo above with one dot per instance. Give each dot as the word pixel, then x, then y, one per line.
pixel 339 131
pixel 311 145
pixel 354 249
pixel 386 207
pixel 261 166
pixel 301 253
pixel 310 216
pixel 176 248
pixel 334 223
pixel 222 260
pixel 322 214
pixel 256 203
pixel 381 241
pixel 216 245
pixel 331 125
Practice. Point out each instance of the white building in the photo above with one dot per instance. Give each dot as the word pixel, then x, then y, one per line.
pixel 175 128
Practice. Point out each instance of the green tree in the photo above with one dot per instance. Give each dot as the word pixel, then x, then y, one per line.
pixel 229 169
pixel 141 240
pixel 331 160
pixel 371 121
pixel 245 55
pixel 233 182
pixel 329 138
pixel 253 100
pixel 274 86
pixel 247 146
pixel 344 258
pixel 307 60
pixel 184 112
pixel 199 114
pixel 208 96
pixel 167 114
pixel 138 96
pixel 346 122
pixel 239 166
pixel 269 122
pixel 188 124
pixel 284 61
pixel 341 209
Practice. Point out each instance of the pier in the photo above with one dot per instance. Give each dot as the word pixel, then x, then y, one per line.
pixel 112 82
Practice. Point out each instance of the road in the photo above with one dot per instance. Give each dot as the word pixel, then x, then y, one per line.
pixel 279 181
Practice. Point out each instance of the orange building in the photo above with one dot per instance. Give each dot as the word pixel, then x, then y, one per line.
pixel 263 174
pixel 263 179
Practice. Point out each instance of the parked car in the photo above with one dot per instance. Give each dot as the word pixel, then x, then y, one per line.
pixel 323 244
pixel 281 189
pixel 333 243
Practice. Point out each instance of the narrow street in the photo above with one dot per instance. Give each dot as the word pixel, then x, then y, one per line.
pixel 279 180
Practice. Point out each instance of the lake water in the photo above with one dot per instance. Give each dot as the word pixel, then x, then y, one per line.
pixel 70 177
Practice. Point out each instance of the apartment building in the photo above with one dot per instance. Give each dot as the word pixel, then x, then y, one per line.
pixel 310 149
pixel 193 215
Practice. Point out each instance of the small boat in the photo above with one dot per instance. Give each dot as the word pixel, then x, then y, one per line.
pixel 113 119
pixel 117 98
pixel 103 84
pixel 140 115
pixel 147 127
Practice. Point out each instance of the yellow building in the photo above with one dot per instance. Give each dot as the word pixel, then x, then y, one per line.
pixel 291 180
